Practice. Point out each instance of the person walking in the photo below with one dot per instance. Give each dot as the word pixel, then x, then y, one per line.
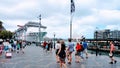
pixel 18 46
pixel 14 45
pixel 44 45
pixel 1 48
pixel 57 47
pixel 70 49
pixel 77 53
pixel 84 43
pixel 6 46
pixel 62 54
pixel 51 45
pixel 48 46
pixel 111 54
pixel 23 46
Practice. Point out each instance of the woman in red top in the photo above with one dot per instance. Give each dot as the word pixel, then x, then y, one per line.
pixel 111 54
pixel 78 50
pixel 44 44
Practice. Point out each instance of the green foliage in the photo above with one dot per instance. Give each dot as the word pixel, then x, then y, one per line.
pixel 0 24
pixel 6 34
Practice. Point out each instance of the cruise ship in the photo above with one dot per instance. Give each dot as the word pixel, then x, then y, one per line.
pixel 34 36
pixel 29 34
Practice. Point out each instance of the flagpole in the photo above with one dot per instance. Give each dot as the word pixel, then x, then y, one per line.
pixel 72 10
pixel 71 16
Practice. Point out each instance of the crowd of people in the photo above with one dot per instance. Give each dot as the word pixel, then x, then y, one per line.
pixel 48 45
pixel 64 52
pixel 9 46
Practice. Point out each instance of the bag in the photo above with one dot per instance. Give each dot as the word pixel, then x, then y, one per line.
pixel 80 48
pixel 46 46
pixel 62 54
pixel 8 55
pixel 110 54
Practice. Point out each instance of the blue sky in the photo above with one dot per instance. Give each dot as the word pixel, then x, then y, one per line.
pixel 89 14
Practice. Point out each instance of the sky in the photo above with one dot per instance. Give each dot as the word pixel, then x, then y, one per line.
pixel 89 14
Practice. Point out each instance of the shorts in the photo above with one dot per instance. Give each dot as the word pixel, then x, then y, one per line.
pixel 69 53
pixel 44 47
pixel 85 51
pixel 77 53
pixel 18 48
pixel 62 60
pixel 111 55
pixel 57 51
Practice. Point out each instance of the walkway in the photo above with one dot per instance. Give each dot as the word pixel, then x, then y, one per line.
pixel 36 57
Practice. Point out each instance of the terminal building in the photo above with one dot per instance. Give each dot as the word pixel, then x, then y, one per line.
pixel 107 34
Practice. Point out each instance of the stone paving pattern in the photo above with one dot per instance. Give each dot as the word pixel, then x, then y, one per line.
pixel 36 57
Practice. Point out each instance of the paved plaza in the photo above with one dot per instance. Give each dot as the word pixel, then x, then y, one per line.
pixel 36 57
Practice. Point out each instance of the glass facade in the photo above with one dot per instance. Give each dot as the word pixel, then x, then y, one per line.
pixel 106 34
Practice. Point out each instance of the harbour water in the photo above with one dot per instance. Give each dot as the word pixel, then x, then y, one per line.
pixel 94 52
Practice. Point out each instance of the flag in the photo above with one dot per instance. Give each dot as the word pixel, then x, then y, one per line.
pixel 72 6
pixel 40 17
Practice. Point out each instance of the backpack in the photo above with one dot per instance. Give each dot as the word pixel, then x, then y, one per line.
pixel 79 48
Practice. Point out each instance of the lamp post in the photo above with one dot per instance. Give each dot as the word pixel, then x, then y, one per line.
pixel 54 40
pixel 96 33
pixel 40 29
pixel 108 37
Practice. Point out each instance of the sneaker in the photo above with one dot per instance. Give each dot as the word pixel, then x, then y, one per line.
pixel 115 61
pixel 23 52
pixel 58 61
pixel 69 62
pixel 82 57
pixel 86 57
pixel 77 61
pixel 110 62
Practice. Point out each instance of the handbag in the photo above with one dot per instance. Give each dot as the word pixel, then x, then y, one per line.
pixel 110 54
pixel 8 55
pixel 46 46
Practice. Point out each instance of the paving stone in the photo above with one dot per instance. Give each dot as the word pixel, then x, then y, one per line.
pixel 36 57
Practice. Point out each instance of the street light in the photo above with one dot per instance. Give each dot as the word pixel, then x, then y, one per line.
pixel 40 29
pixel 54 40
pixel 96 33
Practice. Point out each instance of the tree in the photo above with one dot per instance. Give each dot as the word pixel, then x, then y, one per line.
pixel 6 34
pixel 1 26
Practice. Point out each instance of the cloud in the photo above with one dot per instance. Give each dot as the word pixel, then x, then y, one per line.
pixel 110 14
pixel 88 15
pixel 107 17
pixel 12 24
pixel 18 6
pixel 113 27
